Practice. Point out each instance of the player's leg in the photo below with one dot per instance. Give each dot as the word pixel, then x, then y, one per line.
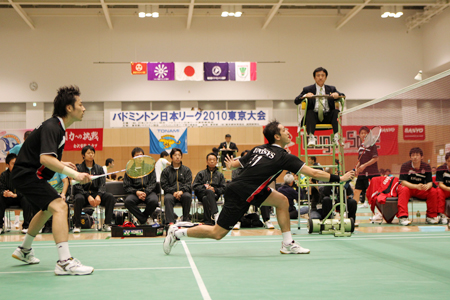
pixel 281 203
pixel 108 201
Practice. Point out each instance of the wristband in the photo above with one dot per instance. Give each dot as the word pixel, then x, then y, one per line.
pixel 69 172
pixel 335 178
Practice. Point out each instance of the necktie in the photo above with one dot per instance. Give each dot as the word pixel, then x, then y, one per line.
pixel 320 111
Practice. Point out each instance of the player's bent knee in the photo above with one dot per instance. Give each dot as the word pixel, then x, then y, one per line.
pixel 58 206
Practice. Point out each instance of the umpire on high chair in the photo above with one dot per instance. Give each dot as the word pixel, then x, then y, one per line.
pixel 321 111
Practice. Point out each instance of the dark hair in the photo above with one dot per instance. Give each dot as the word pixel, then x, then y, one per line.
pixel 270 130
pixel 364 128
pixel 415 150
pixel 10 157
pixel 113 176
pixel 86 148
pixel 388 170
pixel 215 150
pixel 213 154
pixel 136 150
pixel 320 69
pixel 313 158
pixel 381 171
pixel 175 150
pixel 163 154
pixel 120 178
pixel 244 153
pixel 108 161
pixel 228 135
pixel 27 134
pixel 447 155
pixel 66 96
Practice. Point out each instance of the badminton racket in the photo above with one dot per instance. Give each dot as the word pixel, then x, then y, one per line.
pixel 136 167
pixel 369 141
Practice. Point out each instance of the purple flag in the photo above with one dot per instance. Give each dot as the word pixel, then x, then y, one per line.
pixel 161 71
pixel 232 71
pixel 215 71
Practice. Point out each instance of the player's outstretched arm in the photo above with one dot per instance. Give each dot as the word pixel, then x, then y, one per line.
pixel 52 163
pixel 324 176
pixel 231 163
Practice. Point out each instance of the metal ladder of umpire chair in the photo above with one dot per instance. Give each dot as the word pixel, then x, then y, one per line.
pixel 336 151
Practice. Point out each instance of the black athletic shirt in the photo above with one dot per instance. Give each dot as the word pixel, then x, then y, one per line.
pixel 443 175
pixel 48 138
pixel 370 153
pixel 262 165
pixel 416 176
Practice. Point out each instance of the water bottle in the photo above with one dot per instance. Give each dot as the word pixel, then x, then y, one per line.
pixel 418 214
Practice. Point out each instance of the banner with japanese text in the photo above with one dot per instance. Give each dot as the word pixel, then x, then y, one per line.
pixel 165 139
pixel 76 139
pixel 9 139
pixel 189 118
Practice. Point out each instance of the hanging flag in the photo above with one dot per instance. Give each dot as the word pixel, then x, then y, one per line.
pixel 242 71
pixel 138 68
pixel 161 71
pixel 189 71
pixel 216 71
pixel 167 138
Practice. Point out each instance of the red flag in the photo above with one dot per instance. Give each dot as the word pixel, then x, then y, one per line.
pixel 139 68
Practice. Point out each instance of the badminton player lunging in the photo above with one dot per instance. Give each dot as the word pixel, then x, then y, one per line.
pixel 38 160
pixel 261 166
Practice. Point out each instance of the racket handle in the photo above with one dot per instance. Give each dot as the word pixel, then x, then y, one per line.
pixel 92 178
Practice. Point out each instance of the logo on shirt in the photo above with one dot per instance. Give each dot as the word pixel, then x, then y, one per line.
pixel 265 152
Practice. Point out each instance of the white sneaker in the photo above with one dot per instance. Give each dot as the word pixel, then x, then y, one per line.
pixel 443 219
pixel 293 248
pixel 24 231
pixel 364 205
pixel 105 227
pixel 216 217
pixel 311 140
pixel 434 220
pixel 150 221
pixel 269 225
pixel 404 221
pixel 72 266
pixel 76 230
pixel 377 218
pixel 27 257
pixel 170 239
pixel 237 226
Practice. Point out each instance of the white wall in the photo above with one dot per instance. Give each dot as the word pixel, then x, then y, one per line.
pixel 436 44
pixel 368 58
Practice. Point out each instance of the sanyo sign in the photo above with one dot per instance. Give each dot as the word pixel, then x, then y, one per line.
pixel 414 132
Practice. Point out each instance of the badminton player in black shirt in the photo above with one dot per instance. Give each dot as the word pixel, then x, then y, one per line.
pixel 261 166
pixel 38 160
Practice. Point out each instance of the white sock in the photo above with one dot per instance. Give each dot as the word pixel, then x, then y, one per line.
pixel 27 241
pixel 287 237
pixel 181 233
pixel 17 218
pixel 63 251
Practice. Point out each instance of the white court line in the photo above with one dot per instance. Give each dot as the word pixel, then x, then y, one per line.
pixel 198 278
pixel 118 269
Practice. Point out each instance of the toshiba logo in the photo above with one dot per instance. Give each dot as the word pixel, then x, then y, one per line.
pixel 414 130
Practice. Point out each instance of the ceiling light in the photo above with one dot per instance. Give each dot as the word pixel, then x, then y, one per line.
pixel 148 11
pixel 231 11
pixel 398 11
pixel 238 11
pixel 224 11
pixel 155 11
pixel 141 11
pixel 385 11
pixel 418 76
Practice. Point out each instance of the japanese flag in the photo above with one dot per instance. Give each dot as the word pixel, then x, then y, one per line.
pixel 189 71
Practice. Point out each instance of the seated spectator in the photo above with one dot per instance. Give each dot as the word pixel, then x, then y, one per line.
pixel 228 148
pixel 113 177
pixel 443 190
pixel 60 183
pixel 141 190
pixel 10 197
pixel 382 172
pixel 176 181
pixel 327 203
pixel 415 181
pixel 92 193
pixel 15 150
pixel 109 164
pixel 288 190
pixel 161 164
pixel 387 173
pixel 209 185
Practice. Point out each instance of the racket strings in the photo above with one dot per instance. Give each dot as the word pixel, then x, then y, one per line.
pixel 140 166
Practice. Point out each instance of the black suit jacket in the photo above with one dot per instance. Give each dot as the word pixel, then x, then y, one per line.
pixel 312 89
pixel 232 146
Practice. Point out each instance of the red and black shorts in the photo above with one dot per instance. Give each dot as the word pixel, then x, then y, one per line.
pixel 235 207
